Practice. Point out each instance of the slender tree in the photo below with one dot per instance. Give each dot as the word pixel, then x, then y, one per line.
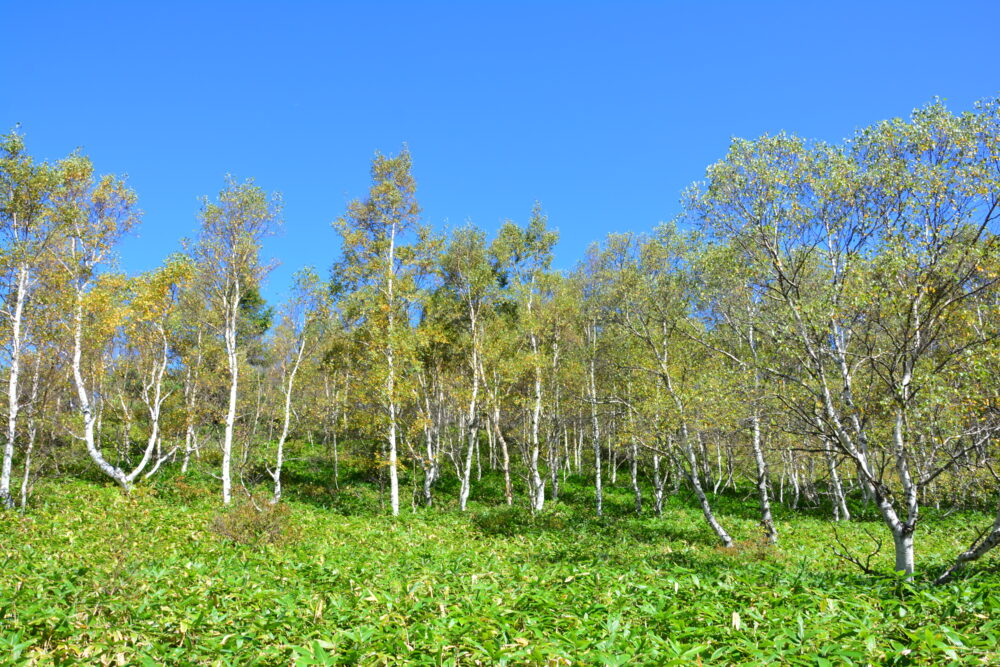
pixel 381 268
pixel 230 268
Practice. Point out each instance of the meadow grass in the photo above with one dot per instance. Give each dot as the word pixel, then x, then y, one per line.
pixel 88 575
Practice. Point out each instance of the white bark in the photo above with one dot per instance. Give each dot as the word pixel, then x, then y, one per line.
pixel 594 423
pixel 987 541
pixel 13 405
pixel 280 457
pixel 472 419
pixel 86 407
pixel 390 383
pixel 32 434
pixel 692 473
pixel 766 522
pixel 232 305
pixel 154 404
pixel 190 401
pixel 840 511
pixel 537 483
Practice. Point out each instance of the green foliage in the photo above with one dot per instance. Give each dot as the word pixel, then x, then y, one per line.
pixel 93 577
pixel 255 525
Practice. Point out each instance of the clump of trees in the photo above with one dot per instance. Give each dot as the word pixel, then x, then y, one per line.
pixel 819 323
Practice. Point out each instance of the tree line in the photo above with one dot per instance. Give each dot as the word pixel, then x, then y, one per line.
pixel 818 324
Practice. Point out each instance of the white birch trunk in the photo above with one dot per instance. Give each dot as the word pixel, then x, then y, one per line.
pixel 86 407
pixel 232 310
pixel 535 477
pixel 13 405
pixel 280 457
pixel 154 405
pixel 32 434
pixel 390 383
pixel 596 428
pixel 766 522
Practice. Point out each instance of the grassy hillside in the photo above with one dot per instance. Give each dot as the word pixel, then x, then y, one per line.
pixel 90 576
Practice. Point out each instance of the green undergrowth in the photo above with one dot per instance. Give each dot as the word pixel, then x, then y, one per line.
pixel 89 576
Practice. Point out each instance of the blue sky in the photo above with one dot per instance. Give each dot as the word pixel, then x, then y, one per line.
pixel 604 112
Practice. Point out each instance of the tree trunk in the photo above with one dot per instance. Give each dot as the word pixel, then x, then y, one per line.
pixel 32 433
pixel 390 383
pixel 766 522
pixel 535 479
pixel 154 405
pixel 596 428
pixel 13 404
pixel 706 508
pixel 658 482
pixel 234 373
pixel 634 471
pixel 840 511
pixel 986 542
pixel 86 407
pixel 280 458
pixel 508 490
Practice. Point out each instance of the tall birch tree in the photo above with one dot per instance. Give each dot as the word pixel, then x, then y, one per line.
pixel 27 228
pixel 228 255
pixel 381 268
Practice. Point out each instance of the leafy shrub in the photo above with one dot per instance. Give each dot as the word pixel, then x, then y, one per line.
pixel 358 501
pixel 500 520
pixel 756 549
pixel 187 492
pixel 512 520
pixel 256 525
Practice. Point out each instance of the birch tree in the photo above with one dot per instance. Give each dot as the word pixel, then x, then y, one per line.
pixel 98 212
pixel 27 228
pixel 870 253
pixel 228 255
pixel 381 269
pixel 468 275
pixel 526 256
pixel 303 316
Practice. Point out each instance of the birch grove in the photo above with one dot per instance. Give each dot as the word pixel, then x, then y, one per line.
pixel 817 330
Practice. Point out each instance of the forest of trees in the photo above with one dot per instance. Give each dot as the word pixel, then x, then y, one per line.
pixel 820 323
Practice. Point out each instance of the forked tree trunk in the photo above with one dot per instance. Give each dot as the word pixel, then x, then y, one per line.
pixel 86 407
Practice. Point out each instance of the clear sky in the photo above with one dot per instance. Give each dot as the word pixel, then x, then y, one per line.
pixel 604 112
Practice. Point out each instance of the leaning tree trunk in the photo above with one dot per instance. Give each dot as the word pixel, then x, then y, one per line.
pixel 280 457
pixel 86 407
pixel 986 541
pixel 691 470
pixel 154 405
pixel 692 473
